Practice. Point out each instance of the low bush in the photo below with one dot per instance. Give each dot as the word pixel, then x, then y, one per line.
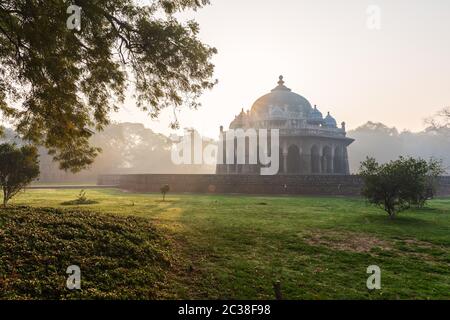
pixel 119 257
pixel 81 200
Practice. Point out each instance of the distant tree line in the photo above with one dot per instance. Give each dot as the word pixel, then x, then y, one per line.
pixel 132 148
pixel 125 148
pixel 385 144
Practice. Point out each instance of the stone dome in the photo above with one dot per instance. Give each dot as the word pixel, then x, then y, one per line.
pixel 330 121
pixel 315 117
pixel 282 103
pixel 239 121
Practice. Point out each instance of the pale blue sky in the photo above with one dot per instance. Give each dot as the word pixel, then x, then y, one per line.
pixel 397 75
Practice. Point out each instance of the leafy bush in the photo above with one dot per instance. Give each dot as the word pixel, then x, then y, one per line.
pixel 18 167
pixel 119 257
pixel 399 184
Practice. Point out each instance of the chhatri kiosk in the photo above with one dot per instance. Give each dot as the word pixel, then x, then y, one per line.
pixel 309 143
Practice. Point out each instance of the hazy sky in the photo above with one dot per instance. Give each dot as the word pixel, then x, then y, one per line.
pixel 398 75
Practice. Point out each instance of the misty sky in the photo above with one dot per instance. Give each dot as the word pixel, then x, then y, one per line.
pixel 397 75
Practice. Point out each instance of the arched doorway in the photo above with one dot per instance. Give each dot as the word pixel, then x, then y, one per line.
pixel 315 159
pixel 326 160
pixel 293 160
pixel 338 160
pixel 281 162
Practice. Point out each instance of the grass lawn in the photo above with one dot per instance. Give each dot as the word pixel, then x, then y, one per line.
pixel 220 246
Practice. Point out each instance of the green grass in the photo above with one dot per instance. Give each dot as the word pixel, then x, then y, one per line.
pixel 318 247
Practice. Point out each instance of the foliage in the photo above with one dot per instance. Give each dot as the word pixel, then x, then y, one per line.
pixel 441 120
pixel 18 167
pixel 165 189
pixel 119 257
pixel 59 85
pixel 400 184
pixel 82 199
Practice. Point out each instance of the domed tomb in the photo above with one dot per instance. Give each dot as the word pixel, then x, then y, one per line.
pixel 309 143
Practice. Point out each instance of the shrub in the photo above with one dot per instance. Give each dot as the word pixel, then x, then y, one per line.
pixel 165 189
pixel 18 167
pixel 119 257
pixel 82 199
pixel 399 184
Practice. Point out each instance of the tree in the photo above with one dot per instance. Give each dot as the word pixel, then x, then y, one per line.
pixel 165 189
pixel 441 120
pixel 18 167
pixel 400 184
pixel 59 85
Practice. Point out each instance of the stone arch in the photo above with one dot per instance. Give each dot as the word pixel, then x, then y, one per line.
pixel 293 159
pixel 338 160
pixel 281 162
pixel 315 159
pixel 327 160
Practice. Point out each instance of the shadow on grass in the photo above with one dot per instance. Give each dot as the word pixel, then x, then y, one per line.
pixel 399 220
pixel 78 202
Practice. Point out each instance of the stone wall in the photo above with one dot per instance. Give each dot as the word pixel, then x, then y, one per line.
pixel 349 185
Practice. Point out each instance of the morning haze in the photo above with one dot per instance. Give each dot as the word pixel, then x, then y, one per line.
pixel 309 173
pixel 397 75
